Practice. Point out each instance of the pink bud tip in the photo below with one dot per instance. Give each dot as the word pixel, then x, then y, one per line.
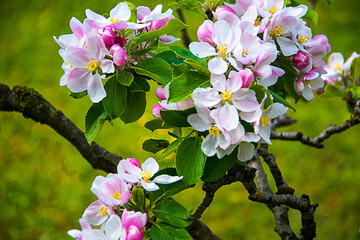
pixel 133 161
pixel 156 111
pixel 160 93
pixel 301 60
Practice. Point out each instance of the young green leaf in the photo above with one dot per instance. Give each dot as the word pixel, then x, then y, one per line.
pixel 216 168
pixel 139 85
pixel 115 101
pixel 156 124
pixel 163 231
pixel 355 69
pixel 154 145
pixel 171 148
pixel 172 213
pixel 190 160
pixel 182 86
pixel 77 95
pixel 279 99
pixel 177 118
pixel 172 25
pixel 135 108
pixel 94 121
pixel 155 68
pixel 125 78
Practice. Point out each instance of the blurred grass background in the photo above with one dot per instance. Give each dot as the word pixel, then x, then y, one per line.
pixel 44 181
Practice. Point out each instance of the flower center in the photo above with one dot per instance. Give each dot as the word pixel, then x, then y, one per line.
pixel 264 120
pixel 276 32
pixel 338 66
pixel 273 9
pixel 257 22
pixel 307 82
pixel 103 211
pixel 214 131
pixel 68 64
pixel 245 52
pixel 302 39
pixel 226 96
pixel 116 195
pixel 93 65
pixel 222 49
pixel 146 175
pixel 113 20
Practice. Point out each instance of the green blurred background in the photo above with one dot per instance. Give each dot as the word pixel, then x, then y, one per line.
pixel 44 181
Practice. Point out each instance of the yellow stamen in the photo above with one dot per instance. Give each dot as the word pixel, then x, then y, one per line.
pixel 226 96
pixel 146 175
pixel 273 9
pixel 257 22
pixel 222 49
pixel 116 195
pixel 302 39
pixel 245 52
pixel 68 64
pixel 307 82
pixel 338 66
pixel 264 120
pixel 103 211
pixel 114 20
pixel 214 130
pixel 276 32
pixel 93 65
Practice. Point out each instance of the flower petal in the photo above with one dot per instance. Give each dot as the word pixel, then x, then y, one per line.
pixel 96 89
pixel 166 179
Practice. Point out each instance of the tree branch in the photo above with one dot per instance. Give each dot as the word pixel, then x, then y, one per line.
pixel 317 141
pixel 32 105
pixel 184 33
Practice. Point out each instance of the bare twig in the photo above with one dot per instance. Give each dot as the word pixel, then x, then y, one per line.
pixel 184 33
pixel 317 141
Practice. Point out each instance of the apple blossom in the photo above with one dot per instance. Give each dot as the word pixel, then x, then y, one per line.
pixel 97 213
pixel 133 174
pixel 118 54
pixel 132 218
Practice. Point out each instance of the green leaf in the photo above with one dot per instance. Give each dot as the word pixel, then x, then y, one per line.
pixel 173 25
pixel 333 91
pixel 139 85
pixel 115 101
pixel 216 168
pixel 289 79
pixel 125 78
pixel 153 45
pixel 138 197
pixel 154 145
pixel 94 121
pixel 190 160
pixel 163 231
pixel 185 53
pixel 203 70
pixel 172 213
pixel 132 7
pixel 170 57
pixel 167 190
pixel 177 118
pixel 279 99
pixel 136 103
pixel 171 148
pixel 77 95
pixel 190 5
pixel 155 68
pixel 355 69
pixel 179 69
pixel 156 124
pixel 182 87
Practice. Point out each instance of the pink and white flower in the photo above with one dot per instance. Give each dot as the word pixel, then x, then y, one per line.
pixel 133 222
pixel 246 148
pixel 87 63
pixel 97 213
pixel 133 174
pixel 112 190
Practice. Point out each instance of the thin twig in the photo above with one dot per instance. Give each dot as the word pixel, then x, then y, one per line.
pixel 317 141
pixel 184 33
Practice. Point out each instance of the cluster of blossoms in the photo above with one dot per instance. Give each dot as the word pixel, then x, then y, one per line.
pixel 245 46
pixel 98 47
pixel 114 208
pixel 336 68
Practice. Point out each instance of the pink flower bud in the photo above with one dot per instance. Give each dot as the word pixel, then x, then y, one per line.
pixel 222 9
pixel 133 161
pixel 132 218
pixel 302 60
pixel 204 32
pixel 134 233
pixel 120 40
pixel 119 55
pixel 247 77
pixel 108 36
pixel 156 111
pixel 160 93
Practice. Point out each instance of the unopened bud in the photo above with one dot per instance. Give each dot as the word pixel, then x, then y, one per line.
pixel 301 60
pixel 156 111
